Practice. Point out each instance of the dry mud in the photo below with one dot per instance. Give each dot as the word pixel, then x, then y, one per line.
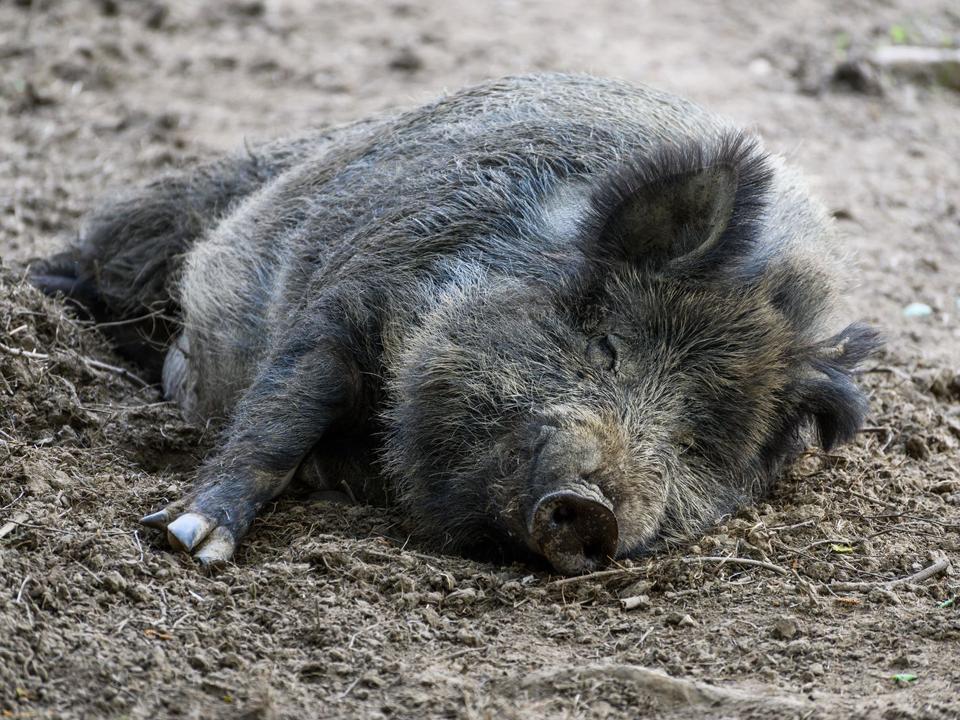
pixel 330 611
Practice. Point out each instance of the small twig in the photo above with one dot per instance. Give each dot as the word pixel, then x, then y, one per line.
pixel 136 536
pixel 864 497
pixel 130 321
pixel 39 527
pixel 599 575
pixel 350 687
pixel 357 634
pixel 888 370
pixel 14 502
pixel 905 516
pixel 925 574
pixel 700 559
pixel 738 561
pixel 19 352
pixel 827 541
pixel 783 528
pixel 118 370
pixel 19 599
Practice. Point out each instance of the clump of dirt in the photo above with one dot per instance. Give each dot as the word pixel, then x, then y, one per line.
pixel 807 605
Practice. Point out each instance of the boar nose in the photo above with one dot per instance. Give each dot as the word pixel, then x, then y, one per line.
pixel 575 529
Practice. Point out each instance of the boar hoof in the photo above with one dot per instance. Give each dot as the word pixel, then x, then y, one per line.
pixel 186 532
pixel 158 520
pixel 217 548
pixel 575 533
pixel 193 533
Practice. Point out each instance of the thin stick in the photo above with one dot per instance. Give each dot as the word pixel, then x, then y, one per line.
pixel 889 370
pixel 739 561
pixel 700 559
pixel 925 574
pixel 19 352
pixel 118 370
pixel 19 599
pixel 11 504
pixel 599 575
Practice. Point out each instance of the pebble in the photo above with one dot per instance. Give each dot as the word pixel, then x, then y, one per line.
pixel 678 620
pixel 917 310
pixel 114 582
pixel 798 647
pixel 785 628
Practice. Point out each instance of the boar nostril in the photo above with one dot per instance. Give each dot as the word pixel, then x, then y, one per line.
pixel 564 514
pixel 593 555
pixel 575 529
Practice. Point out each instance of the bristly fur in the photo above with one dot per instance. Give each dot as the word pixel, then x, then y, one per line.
pixel 539 282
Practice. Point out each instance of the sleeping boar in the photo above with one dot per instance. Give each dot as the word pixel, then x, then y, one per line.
pixel 547 316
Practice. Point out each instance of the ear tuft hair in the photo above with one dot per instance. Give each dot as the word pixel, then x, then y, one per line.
pixel 831 398
pixel 699 203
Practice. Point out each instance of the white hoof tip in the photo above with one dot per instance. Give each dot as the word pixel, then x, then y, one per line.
pixel 186 532
pixel 218 548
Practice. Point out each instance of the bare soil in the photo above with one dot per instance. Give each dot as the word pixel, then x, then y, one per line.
pixel 329 611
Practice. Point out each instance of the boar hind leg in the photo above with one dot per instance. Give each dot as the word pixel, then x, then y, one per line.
pixel 297 395
pixel 126 262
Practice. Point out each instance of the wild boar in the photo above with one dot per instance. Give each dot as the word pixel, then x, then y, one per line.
pixel 547 316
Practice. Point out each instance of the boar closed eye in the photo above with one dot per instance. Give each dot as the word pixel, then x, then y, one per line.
pixel 604 353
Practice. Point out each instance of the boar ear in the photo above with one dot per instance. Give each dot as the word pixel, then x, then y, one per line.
pixel 828 394
pixel 698 203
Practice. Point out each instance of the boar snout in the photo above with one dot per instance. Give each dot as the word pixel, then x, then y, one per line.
pixel 575 529
pixel 571 521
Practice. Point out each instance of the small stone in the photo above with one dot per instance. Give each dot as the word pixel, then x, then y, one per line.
pixel 858 76
pixel 785 628
pixel 406 60
pixel 638 588
pixel 431 616
pixel 761 67
pixel 114 582
pixel 371 679
pixel 821 571
pixel 466 596
pixel 798 647
pixel 199 661
pixel 884 596
pixel 468 638
pixel 678 620
pixel 917 310
pixel 156 16
pixel 817 669
pixel 916 447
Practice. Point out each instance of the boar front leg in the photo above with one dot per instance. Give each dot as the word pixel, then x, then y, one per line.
pixel 308 386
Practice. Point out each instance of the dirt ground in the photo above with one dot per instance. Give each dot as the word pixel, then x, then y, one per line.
pixel 330 612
